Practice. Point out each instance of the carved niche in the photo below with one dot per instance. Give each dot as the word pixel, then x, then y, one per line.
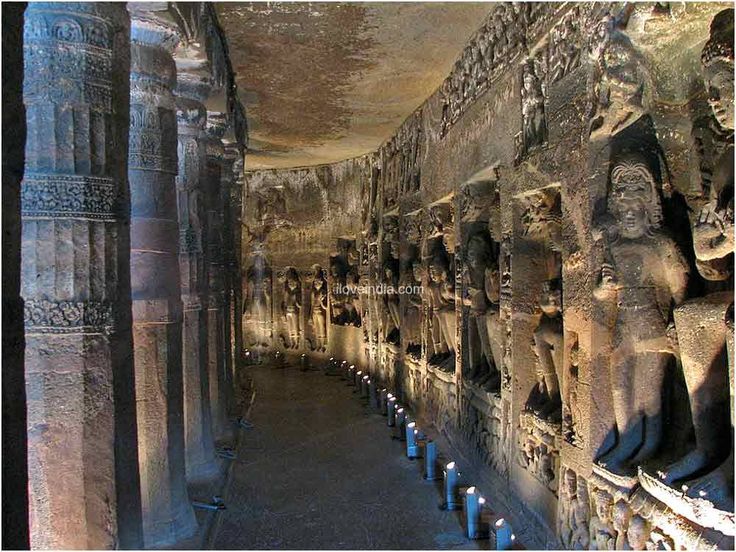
pixel 541 222
pixel 391 319
pixel 439 255
pixel 318 307
pixel 642 275
pixel 288 303
pixel 344 279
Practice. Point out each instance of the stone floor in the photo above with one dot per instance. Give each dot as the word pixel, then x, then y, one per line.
pixel 319 471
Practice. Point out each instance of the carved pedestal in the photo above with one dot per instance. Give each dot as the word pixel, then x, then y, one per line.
pixel 157 306
pixel 74 276
pixel 191 190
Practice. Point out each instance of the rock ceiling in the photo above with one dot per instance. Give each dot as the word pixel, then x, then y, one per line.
pixel 324 82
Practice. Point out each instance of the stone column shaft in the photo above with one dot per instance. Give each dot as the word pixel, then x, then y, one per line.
pixel 75 275
pixel 216 126
pixel 157 308
pixel 201 462
pixel 227 180
pixel 236 206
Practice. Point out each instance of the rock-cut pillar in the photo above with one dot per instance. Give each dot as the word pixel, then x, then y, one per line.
pixel 75 281
pixel 191 91
pixel 227 183
pixel 216 127
pixel 157 307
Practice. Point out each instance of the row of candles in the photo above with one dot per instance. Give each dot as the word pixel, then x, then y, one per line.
pixel 479 523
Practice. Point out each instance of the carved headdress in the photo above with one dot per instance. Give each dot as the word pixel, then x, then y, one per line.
pixel 631 178
pixel 720 43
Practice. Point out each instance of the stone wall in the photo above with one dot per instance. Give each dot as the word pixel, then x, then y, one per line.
pixel 565 202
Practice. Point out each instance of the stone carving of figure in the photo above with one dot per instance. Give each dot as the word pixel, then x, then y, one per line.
pixel 621 517
pixel 353 305
pixel 644 275
pixel 580 517
pixel 442 305
pixel 549 350
pixel 292 305
pixel 703 322
pixel 414 310
pixel 620 78
pixel 567 496
pixel 484 349
pixel 602 533
pixel 318 302
pixel 564 52
pixel 532 108
pixel 258 298
pixel 391 300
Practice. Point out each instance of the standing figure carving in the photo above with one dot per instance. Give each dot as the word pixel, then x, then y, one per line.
pixel 318 304
pixel 643 275
pixel 481 296
pixel 548 347
pixel 602 532
pixel 258 298
pixel 442 305
pixel 705 324
pixel 292 305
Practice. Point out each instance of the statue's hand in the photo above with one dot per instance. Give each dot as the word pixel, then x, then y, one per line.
pixel 710 222
pixel 608 275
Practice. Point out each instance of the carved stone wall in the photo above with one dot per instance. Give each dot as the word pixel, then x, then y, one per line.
pixel 557 200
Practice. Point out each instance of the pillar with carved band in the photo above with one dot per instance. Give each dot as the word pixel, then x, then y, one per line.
pixel 157 308
pixel 75 281
pixel 216 126
pixel 191 91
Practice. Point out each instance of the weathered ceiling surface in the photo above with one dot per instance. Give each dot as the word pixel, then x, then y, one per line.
pixel 324 82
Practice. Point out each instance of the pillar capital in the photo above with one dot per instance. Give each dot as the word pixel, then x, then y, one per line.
pixel 150 25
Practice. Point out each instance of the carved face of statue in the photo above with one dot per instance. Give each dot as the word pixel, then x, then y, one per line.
pixel 477 255
pixel 717 59
pixel 317 282
pixel 292 282
pixel 528 81
pixel 416 271
pixel 633 222
pixel 437 271
pixel 719 83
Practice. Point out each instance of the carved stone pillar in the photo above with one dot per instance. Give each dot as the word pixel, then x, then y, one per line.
pixel 231 154
pixel 75 276
pixel 191 188
pixel 216 126
pixel 236 207
pixel 157 307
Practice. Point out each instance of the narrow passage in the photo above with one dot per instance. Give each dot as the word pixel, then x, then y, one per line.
pixel 319 470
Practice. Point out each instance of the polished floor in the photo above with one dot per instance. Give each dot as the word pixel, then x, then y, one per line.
pixel 319 471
